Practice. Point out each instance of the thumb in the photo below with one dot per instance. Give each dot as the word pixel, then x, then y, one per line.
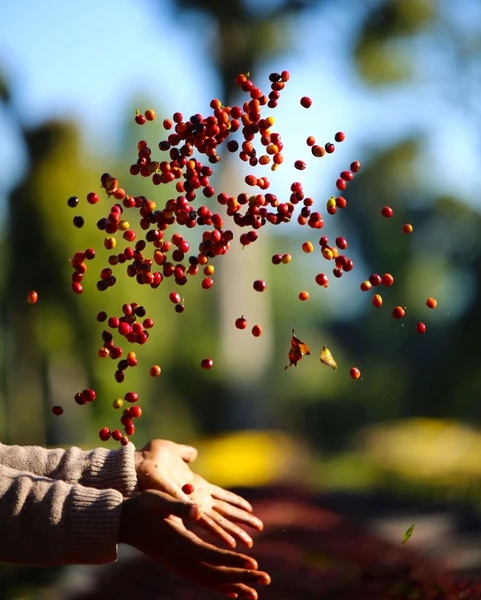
pixel 187 453
pixel 165 505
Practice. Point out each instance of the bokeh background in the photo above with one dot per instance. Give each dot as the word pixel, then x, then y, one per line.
pixel 401 78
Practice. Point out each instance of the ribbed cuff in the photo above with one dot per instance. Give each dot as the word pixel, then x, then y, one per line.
pixel 93 523
pixel 114 469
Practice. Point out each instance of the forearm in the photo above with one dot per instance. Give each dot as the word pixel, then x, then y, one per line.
pixel 48 522
pixel 99 468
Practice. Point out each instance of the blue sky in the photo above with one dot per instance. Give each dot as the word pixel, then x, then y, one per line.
pixel 89 60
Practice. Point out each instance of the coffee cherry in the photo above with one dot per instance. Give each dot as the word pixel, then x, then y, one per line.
pixel 355 373
pixel 259 285
pixel 355 166
pixel 241 322
pixel 131 397
pixel 286 258
pixel 322 280
pixel 92 198
pixel 174 297
pixel 375 279
pixel 135 412
pixel 304 295
pixel 32 297
pixel 407 228
pixel 431 302
pixel 306 102
pixel 340 136
pixel 256 331
pixel 207 363
pixel 57 410
pixel 421 327
pixel 150 115
pixel 155 371
pixel 188 489
pixel 307 247
pixel 104 434
pixel 72 201
pixel 118 403
pixel 366 286
pixel 387 212
pixel 377 300
pixel 78 221
pixel 300 165
pixel 341 243
pixel 398 312
pixel 207 283
pixel 387 279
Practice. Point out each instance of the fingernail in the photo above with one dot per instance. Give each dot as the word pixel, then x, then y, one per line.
pixel 245 537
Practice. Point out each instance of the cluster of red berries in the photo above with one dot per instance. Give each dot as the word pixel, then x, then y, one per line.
pixel 151 257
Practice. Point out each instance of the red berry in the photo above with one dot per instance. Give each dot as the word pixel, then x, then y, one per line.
pixel 340 136
pixel 304 295
pixel 300 165
pixel 207 283
pixel 188 489
pixel 307 247
pixel 241 322
pixel 150 115
pixel 387 279
pixel 174 297
pixel 57 410
pixel 387 212
pixel 135 412
pixel 398 312
pixel 375 279
pixel 207 363
pixel 421 328
pixel 92 198
pixel 256 331
pixel 131 397
pixel 259 285
pixel 340 184
pixel 355 166
pixel 32 297
pixel 329 147
pixel 341 243
pixel 431 302
pixel 306 102
pixel 104 434
pixel 321 279
pixel 377 300
pixel 407 228
pixel 355 373
pixel 155 371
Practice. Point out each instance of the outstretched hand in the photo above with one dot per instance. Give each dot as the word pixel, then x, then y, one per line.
pixel 164 465
pixel 152 522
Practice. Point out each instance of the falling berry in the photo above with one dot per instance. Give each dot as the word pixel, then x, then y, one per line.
pixel 377 300
pixel 421 327
pixel 32 297
pixel 431 302
pixel 355 373
pixel 241 322
pixel 304 295
pixel 407 228
pixel 207 363
pixel 259 285
pixel 78 221
pixel 340 136
pixel 104 434
pixel 306 102
pixel 387 212
pixel 257 331
pixel 398 312
pixel 72 201
pixel 57 410
pixel 155 371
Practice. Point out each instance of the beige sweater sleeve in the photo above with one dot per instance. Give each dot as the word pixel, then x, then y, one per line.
pixel 51 522
pixel 99 468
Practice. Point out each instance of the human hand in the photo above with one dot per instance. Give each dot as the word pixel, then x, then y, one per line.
pixel 163 465
pixel 152 522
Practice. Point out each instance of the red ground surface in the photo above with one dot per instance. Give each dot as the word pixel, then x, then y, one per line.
pixel 312 551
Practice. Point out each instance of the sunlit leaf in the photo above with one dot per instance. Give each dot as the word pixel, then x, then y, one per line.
pixel 408 533
pixel 327 359
pixel 297 351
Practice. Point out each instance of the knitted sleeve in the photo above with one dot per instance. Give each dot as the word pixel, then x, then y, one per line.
pixel 99 468
pixel 48 522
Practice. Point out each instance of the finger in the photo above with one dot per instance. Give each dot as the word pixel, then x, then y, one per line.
pixel 230 497
pixel 164 505
pixel 210 525
pixel 187 453
pixel 226 578
pixel 231 528
pixel 238 515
